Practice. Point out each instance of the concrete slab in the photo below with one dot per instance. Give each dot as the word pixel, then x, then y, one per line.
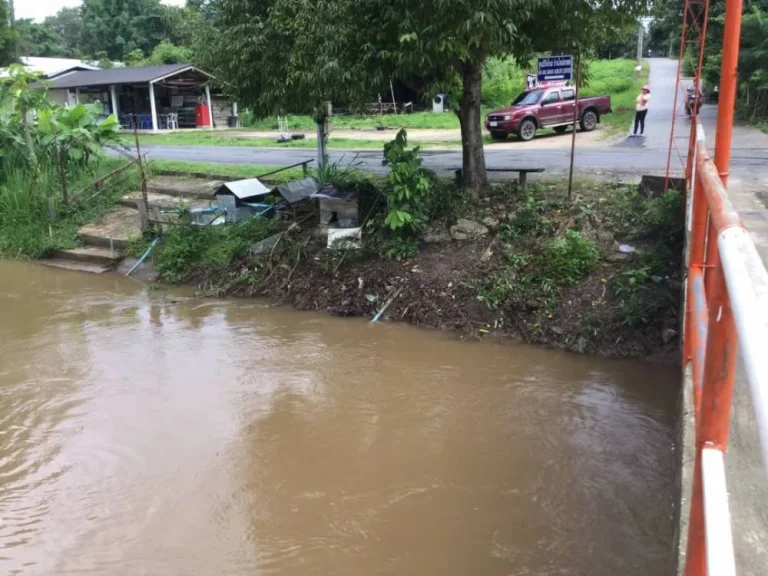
pixel 165 201
pixel 90 254
pixel 75 266
pixel 113 229
pixel 182 187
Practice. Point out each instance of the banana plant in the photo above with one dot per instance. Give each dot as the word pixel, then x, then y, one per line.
pixel 22 93
pixel 74 135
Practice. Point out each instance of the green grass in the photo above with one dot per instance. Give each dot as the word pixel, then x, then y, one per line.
pixel 26 231
pixel 230 139
pixel 424 120
pixel 233 171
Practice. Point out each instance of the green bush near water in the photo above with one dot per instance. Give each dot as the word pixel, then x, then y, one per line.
pixel 187 248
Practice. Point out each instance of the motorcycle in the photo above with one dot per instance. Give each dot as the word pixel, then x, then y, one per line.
pixel 691 100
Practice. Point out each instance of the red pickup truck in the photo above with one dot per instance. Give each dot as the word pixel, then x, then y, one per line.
pixel 546 108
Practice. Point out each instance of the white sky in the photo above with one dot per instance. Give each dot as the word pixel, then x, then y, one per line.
pixel 39 9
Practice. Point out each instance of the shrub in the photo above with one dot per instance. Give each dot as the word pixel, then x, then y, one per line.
pixel 187 248
pixel 409 187
pixel 569 258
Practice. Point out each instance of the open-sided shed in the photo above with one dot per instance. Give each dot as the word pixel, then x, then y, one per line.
pixel 149 97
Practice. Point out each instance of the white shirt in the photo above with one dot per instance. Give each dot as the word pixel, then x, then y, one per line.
pixel 641 102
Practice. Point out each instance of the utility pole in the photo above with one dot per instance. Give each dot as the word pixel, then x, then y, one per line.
pixel 640 34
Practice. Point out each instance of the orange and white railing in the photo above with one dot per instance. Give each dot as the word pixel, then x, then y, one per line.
pixel 726 313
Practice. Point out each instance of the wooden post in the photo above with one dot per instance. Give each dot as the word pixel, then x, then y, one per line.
pixel 62 175
pixel 575 117
pixel 142 175
pixel 143 217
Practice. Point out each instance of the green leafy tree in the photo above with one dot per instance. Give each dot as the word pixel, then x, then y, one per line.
pixel 67 25
pixel 74 135
pixel 21 94
pixel 294 54
pixel 33 39
pixel 8 36
pixel 117 27
pixel 167 53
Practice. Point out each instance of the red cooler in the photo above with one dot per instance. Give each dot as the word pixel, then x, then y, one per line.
pixel 202 118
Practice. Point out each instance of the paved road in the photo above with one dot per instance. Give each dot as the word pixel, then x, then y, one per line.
pixel 633 156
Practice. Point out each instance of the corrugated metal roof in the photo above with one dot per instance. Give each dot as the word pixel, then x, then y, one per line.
pixel 137 75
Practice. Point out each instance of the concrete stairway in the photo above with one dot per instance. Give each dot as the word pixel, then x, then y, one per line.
pixel 106 238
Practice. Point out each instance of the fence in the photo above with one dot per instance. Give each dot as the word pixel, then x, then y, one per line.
pixel 726 309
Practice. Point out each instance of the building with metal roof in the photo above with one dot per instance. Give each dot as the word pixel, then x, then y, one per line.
pixel 169 96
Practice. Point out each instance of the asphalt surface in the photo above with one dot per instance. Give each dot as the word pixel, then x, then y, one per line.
pixel 631 156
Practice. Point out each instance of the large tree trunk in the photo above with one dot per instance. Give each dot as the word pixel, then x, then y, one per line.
pixel 473 156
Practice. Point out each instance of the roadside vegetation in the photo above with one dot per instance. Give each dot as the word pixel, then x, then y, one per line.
pixel 504 80
pixel 595 273
pixel 47 167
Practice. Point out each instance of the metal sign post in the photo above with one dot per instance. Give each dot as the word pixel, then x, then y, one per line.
pixel 575 117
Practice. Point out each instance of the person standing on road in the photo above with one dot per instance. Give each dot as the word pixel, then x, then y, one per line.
pixel 641 108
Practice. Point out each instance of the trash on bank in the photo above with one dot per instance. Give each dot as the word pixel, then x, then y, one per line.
pixel 344 238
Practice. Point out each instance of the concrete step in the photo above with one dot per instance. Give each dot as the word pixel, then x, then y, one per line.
pixel 166 201
pixel 112 230
pixel 184 187
pixel 91 255
pixel 75 266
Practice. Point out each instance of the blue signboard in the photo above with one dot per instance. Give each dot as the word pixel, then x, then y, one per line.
pixel 555 68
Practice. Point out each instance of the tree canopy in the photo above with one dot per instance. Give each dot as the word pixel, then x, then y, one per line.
pixel 295 54
pixel 107 30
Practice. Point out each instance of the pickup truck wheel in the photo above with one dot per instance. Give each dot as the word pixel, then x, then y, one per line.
pixel 527 130
pixel 588 121
pixel 560 129
pixel 498 136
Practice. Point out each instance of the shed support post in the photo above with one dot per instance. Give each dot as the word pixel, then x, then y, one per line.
pixel 152 107
pixel 77 96
pixel 210 108
pixel 113 96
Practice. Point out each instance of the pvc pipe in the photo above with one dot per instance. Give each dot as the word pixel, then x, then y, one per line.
pixel 144 256
pixel 717 516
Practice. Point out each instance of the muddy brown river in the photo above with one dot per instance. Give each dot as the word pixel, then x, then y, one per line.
pixel 145 434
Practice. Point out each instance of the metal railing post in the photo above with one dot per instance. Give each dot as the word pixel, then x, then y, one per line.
pixel 728 82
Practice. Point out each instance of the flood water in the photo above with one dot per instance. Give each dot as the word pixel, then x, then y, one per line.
pixel 145 435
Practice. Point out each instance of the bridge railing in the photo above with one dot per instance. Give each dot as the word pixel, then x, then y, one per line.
pixel 726 312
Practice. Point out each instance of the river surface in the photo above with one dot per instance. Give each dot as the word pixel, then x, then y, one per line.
pixel 145 434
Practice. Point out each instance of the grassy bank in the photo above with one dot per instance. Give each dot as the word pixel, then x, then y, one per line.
pixel 418 120
pixel 241 140
pixel 28 230
pixel 546 269
pixel 226 171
